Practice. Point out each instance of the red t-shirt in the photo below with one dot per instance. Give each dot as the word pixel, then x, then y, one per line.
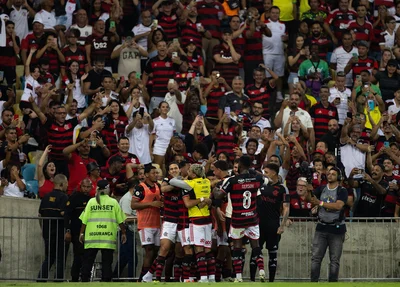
pixel 77 171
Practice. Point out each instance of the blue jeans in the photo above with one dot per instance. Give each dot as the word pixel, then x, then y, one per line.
pixel 127 255
pixel 321 241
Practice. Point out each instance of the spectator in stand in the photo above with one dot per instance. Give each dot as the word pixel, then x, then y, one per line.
pixel 198 133
pixel 74 52
pixel 315 13
pixel 319 38
pixel 392 195
pixel 142 32
pixel 341 56
pixel 12 183
pixel 93 174
pixel 394 105
pixel 387 38
pixel 32 40
pixel 101 44
pixel 226 57
pixel 49 49
pixel 360 28
pixel 45 173
pixel 131 13
pixel 296 55
pixel 162 68
pixel 19 13
pixel 267 5
pixel 386 56
pixel 373 189
pixel 194 58
pixel 192 30
pixel 332 136
pixel 314 71
pixel 82 25
pixel 92 84
pixel 59 129
pixel 129 54
pixel 138 131
pixel 227 135
pixel 361 61
pixel 339 96
pixel 210 12
pixel 338 20
pixel 213 93
pixel 95 11
pixel 167 19
pixel 233 99
pixel 9 55
pixel 273 48
pixel 32 74
pixel 164 129
pixel 257 118
pixel 322 113
pixel 48 16
pixel 73 76
pixel 388 80
pixel 78 158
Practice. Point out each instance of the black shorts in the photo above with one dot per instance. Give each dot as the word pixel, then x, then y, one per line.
pixel 269 236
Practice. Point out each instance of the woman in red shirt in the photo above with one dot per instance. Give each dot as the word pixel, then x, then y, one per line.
pixel 45 174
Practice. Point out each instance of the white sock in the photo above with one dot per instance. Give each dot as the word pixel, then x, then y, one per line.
pixel 148 274
pixel 239 275
pixel 211 277
pixel 203 278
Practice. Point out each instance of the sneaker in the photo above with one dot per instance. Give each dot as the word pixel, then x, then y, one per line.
pixel 188 281
pixel 147 279
pixel 211 281
pixel 238 280
pixel 203 281
pixel 156 281
pixel 262 275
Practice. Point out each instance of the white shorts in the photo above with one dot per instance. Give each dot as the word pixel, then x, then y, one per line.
pixel 221 241
pixel 150 236
pixel 200 235
pixel 160 149
pixel 276 63
pixel 168 231
pixel 184 237
pixel 252 232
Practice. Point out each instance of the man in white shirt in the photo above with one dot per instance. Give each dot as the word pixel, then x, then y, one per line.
pixel 342 55
pixel 82 25
pixel 19 15
pixel 254 133
pixel 273 48
pixel 290 108
pixel 339 96
pixel 257 118
pixel 47 14
pixel 142 30
pixel 138 132
pixel 129 54
pixel 395 108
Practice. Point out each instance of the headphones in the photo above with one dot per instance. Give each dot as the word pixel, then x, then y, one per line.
pixel 339 173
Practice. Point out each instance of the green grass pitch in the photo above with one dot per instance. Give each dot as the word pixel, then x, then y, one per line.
pixel 244 284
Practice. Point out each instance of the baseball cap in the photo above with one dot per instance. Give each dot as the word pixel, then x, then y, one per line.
pixel 38 19
pixel 363 43
pixel 319 151
pixel 92 166
pixel 392 62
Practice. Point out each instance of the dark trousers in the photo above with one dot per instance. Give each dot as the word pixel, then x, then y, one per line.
pixel 127 255
pixel 106 261
pixel 55 252
pixel 78 258
pixel 321 241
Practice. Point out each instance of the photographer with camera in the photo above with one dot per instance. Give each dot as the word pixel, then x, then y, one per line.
pixel 331 228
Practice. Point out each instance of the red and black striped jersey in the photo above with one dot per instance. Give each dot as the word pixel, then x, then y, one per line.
pixel 321 117
pixel 189 31
pixel 60 136
pixel 112 132
pixel 240 42
pixel 270 201
pixel 260 94
pixel 362 32
pixel 292 176
pixel 7 54
pixel 130 158
pixel 162 70
pixel 195 62
pixel 54 62
pixel 377 31
pixel 100 46
pixel 364 64
pixel 339 21
pixel 299 207
pixel 227 141
pixel 172 205
pixel 31 41
pixel 253 45
pixel 169 24
pixel 216 93
pixel 392 196
pixel 79 56
pixel 208 15
pixel 183 221
pixel 183 80
pixel 325 46
pixel 230 70
pixel 243 190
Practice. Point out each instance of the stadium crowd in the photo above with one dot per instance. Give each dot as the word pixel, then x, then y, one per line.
pixel 223 118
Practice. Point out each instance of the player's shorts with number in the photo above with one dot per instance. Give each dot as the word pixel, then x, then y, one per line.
pixel 150 236
pixel 252 232
pixel 168 231
pixel 201 235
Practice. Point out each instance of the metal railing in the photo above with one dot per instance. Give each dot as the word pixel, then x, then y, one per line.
pixel 371 251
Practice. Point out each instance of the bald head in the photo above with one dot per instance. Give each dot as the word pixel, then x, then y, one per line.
pixel 333 126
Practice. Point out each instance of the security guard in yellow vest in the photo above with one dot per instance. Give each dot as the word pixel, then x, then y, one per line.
pixel 100 221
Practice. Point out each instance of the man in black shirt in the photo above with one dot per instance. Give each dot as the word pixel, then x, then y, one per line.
pixel 53 205
pixel 274 198
pixel 372 192
pixel 332 137
pixel 74 207
pixel 92 83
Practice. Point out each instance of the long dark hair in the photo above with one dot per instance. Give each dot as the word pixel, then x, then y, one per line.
pixel 68 72
pixel 121 109
pixel 46 175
